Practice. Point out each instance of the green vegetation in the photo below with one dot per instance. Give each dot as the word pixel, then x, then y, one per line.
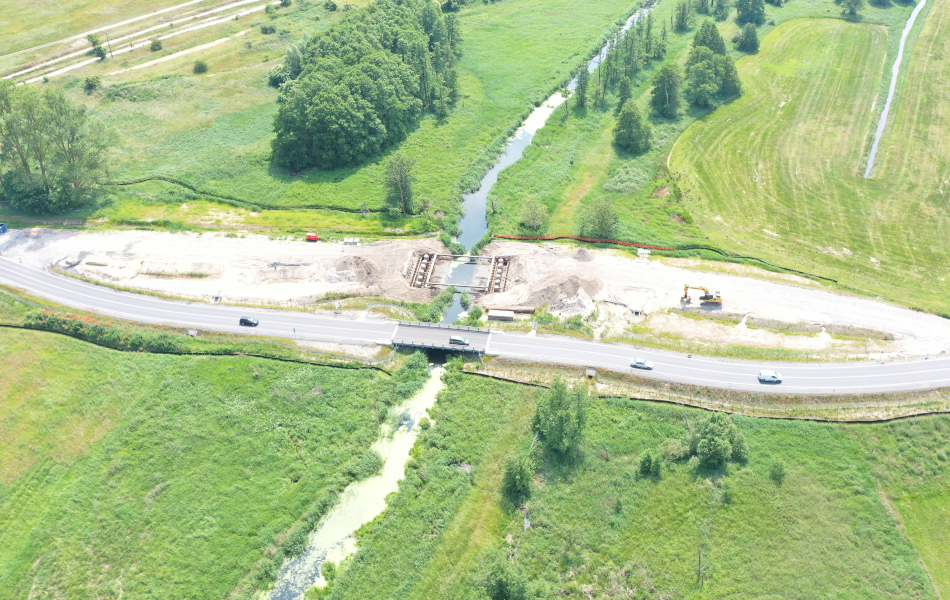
pixel 845 511
pixel 771 181
pixel 184 477
pixel 354 91
pixel 53 155
pixel 214 133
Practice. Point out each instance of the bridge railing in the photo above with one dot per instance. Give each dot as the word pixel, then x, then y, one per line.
pixel 444 326
pixel 433 346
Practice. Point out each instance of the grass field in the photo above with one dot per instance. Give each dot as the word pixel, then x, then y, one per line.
pixel 214 132
pixel 129 475
pixel 860 512
pixel 777 173
pixel 27 23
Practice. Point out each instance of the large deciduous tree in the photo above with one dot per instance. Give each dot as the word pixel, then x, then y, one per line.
pixel 632 133
pixel 750 11
pixel 560 418
pixel 52 154
pixel 748 39
pixel 399 179
pixel 600 220
pixel 361 85
pixel 666 96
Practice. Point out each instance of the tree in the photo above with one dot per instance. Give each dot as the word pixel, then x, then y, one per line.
pixel 97 49
pixel 583 79
pixel 533 214
pixel 646 464
pixel 852 7
pixel 681 16
pixel 665 97
pixel 708 35
pixel 632 133
pixel 624 92
pixel 748 39
pixel 730 86
pixel 708 76
pixel 505 581
pixel 600 220
pixel 361 85
pixel 399 180
pixel 560 418
pixel 777 473
pixel 750 11
pixel 155 45
pixel 722 10
pixel 719 440
pixel 516 480
pixel 55 155
pixel 200 67
pixel 92 83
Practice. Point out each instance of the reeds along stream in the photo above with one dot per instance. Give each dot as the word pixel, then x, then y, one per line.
pixel 362 501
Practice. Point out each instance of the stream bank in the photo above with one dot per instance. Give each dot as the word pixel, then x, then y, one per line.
pixel 362 501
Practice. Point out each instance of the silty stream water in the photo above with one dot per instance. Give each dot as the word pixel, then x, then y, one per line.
pixel 360 502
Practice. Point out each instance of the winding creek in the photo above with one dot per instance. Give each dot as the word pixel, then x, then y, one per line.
pixel 895 73
pixel 362 501
pixel 474 221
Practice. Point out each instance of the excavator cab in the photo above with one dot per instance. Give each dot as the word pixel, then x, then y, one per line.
pixel 707 297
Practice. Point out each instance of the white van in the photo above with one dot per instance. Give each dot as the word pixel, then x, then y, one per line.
pixel 459 340
pixel 770 377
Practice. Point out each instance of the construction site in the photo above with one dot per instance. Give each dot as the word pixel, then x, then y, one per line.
pixel 614 291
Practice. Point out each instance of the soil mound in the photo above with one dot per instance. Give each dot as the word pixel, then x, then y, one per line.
pixel 367 272
pixel 582 255
pixel 560 287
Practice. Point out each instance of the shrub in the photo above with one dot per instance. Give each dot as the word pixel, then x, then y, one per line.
pixel 369 464
pixel 277 76
pixel 646 464
pixel 719 440
pixel 156 45
pixel 505 581
pixel 92 83
pixel 777 473
pixel 560 418
pixel 516 481
pixel 748 40
pixel 268 29
pixel 286 3
pixel 425 424
pixel 200 67
pixel 330 5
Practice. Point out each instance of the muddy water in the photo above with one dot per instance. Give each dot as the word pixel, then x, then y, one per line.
pixel 895 71
pixel 474 221
pixel 361 502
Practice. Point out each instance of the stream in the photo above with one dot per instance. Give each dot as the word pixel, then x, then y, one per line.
pixel 361 501
pixel 474 221
pixel 895 72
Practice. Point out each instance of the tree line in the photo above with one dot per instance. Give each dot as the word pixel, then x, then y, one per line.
pixel 708 78
pixel 361 85
pixel 53 154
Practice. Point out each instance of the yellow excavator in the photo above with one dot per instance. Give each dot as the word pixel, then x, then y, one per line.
pixel 707 297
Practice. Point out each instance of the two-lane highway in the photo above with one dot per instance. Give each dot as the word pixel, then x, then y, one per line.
pixel 825 378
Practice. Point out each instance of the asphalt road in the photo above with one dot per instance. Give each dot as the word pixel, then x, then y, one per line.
pixel 840 378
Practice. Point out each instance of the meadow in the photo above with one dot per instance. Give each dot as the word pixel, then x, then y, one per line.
pixel 778 172
pixel 133 475
pixel 856 511
pixel 708 198
pixel 213 132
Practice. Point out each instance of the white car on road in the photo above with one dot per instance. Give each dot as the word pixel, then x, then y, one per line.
pixel 642 363
pixel 770 377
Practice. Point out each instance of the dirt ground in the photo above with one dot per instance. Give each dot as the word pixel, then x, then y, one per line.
pixel 575 280
pixel 622 289
pixel 252 269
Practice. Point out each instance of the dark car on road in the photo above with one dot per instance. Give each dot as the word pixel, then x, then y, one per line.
pixel 249 321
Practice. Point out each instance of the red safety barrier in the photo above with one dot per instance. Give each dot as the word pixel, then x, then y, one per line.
pixel 582 239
